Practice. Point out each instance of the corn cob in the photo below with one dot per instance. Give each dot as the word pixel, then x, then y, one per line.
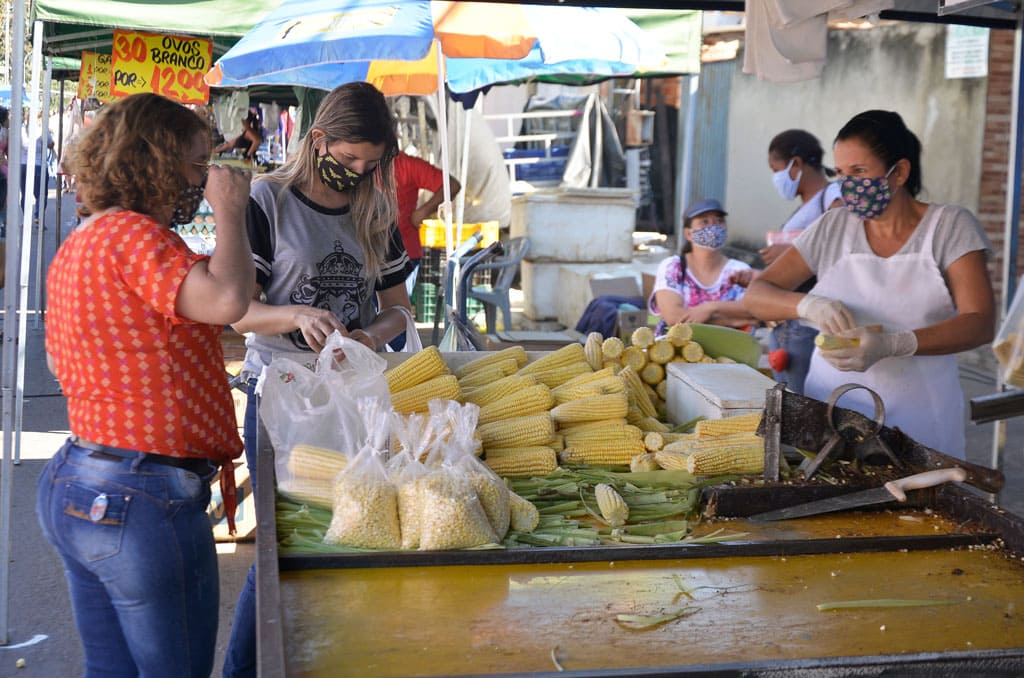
pixel 488 374
pixel 567 355
pixel 661 351
pixel 592 350
pixel 495 452
pixel 685 445
pixel 692 352
pixel 679 334
pixel 671 460
pixel 524 515
pixel 517 353
pixel 633 415
pixel 729 440
pixel 590 426
pixel 499 389
pixel 416 369
pixel 613 365
pixel 535 429
pixel 587 377
pixel 615 433
pixel 593 408
pixel 415 399
pixel 617 454
pixel 612 348
pixel 662 389
pixel 634 356
pixel 652 373
pixel 652 424
pixel 525 463
pixel 653 441
pixel 531 400
pixel 671 437
pixel 557 442
pixel 652 395
pixel 636 387
pixel 315 463
pixel 642 337
pixel 747 458
pixel 643 462
pixel 558 376
pixel 565 393
pixel 743 423
pixel 611 504
pixel 318 492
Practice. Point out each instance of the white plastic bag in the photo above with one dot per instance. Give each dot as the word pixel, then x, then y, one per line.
pixel 1009 342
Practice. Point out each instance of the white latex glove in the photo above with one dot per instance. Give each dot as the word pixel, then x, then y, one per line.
pixel 873 347
pixel 829 315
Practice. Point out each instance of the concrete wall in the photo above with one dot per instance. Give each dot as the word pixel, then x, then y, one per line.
pixel 898 67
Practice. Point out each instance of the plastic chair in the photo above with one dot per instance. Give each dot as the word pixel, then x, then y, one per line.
pixel 495 295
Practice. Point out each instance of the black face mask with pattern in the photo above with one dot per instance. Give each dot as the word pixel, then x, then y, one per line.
pixel 336 176
pixel 188 204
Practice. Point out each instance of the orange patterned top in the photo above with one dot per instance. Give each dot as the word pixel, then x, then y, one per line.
pixel 136 374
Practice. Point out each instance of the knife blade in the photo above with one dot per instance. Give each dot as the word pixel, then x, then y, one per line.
pixel 894 490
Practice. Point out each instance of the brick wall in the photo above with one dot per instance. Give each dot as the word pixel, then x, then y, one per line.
pixel 995 150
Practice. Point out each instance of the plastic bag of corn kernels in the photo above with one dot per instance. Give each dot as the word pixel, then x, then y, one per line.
pixel 406 469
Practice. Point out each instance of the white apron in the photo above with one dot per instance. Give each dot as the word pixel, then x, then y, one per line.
pixel 906 291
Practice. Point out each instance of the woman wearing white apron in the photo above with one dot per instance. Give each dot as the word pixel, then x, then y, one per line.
pixel 917 269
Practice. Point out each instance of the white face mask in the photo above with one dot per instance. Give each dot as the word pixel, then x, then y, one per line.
pixel 786 185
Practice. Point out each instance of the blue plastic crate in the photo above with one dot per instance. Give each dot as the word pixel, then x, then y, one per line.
pixel 542 170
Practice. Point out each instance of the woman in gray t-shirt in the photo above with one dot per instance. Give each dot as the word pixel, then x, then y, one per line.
pixel 917 270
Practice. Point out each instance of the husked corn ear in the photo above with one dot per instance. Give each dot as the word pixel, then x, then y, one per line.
pixel 685 445
pixel 489 374
pixel 662 409
pixel 635 386
pixel 415 399
pixel 661 352
pixel 729 440
pixel 557 442
pixel 318 492
pixel 558 376
pixel 633 415
pixel 671 437
pixel 725 359
pixel 747 458
pixel 497 390
pixel 613 433
pixel 662 389
pixel 565 393
pixel 517 353
pixel 743 423
pixel 592 350
pixel 590 426
pixel 495 452
pixel 531 400
pixel 652 424
pixel 416 369
pixel 679 334
pixel 634 356
pixel 611 504
pixel 643 462
pixel 535 429
pixel 642 337
pixel 524 515
pixel 592 408
pixel 526 462
pixel 671 460
pixel 587 377
pixel 653 441
pixel 830 342
pixel 612 348
pixel 605 454
pixel 652 373
pixel 567 355
pixel 315 463
pixel 692 352
pixel 613 365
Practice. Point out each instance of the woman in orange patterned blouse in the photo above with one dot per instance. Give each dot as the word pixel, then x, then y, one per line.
pixel 133 336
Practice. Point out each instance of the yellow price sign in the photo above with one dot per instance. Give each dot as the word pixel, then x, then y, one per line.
pixel 169 65
pixel 94 77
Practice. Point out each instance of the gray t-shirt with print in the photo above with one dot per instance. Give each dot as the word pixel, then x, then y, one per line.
pixel 309 254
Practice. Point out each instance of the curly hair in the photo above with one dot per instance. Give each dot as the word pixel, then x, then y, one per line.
pixel 355 112
pixel 134 155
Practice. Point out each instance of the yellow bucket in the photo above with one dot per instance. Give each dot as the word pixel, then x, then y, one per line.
pixel 432 232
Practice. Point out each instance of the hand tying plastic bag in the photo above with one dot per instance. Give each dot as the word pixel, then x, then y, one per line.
pixel 872 347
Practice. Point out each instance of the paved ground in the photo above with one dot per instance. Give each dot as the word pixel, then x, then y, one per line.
pixel 39 608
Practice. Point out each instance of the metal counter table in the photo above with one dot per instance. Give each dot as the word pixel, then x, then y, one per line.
pixel 519 611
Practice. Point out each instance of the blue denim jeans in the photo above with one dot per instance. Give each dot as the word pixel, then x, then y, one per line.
pixel 140 561
pixel 798 340
pixel 240 656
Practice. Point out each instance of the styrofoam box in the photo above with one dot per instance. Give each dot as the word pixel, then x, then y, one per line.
pixel 576 224
pixel 714 390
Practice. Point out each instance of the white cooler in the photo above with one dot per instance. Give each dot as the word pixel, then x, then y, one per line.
pixel 714 390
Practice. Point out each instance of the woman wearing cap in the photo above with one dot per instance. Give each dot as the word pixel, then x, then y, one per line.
pixel 701 285
pixel 917 269
pixel 794 157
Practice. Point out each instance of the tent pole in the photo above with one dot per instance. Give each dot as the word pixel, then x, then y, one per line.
pixel 11 297
pixel 44 189
pixel 1012 218
pixel 460 199
pixel 686 141
pixel 60 175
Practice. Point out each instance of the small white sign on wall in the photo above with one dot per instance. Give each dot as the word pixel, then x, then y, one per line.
pixel 966 52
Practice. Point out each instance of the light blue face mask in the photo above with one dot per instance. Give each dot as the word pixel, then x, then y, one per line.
pixel 785 184
pixel 710 237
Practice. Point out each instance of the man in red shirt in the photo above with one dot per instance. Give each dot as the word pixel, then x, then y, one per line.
pixel 411 175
